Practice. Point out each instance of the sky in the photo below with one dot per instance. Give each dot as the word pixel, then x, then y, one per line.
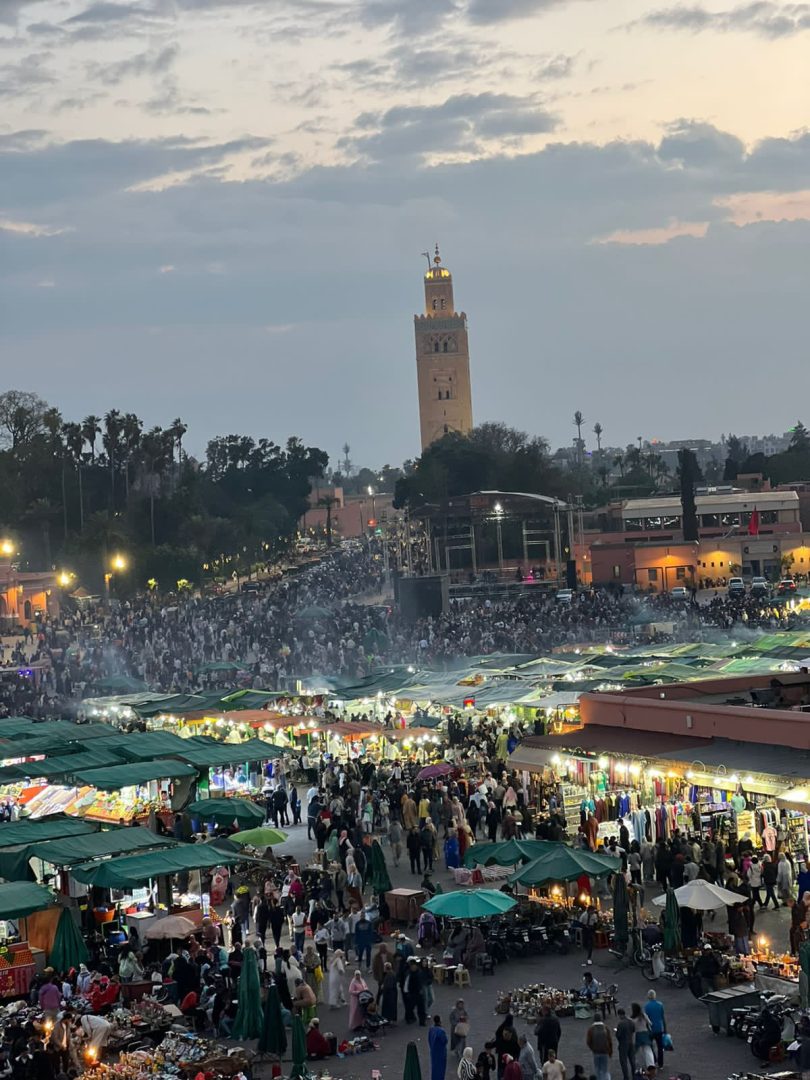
pixel 215 209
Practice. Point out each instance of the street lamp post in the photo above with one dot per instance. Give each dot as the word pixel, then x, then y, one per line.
pixel 117 565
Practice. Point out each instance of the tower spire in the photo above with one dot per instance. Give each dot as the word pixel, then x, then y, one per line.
pixel 437 257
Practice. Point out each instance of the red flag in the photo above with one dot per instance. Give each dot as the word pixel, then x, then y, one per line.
pixel 753 524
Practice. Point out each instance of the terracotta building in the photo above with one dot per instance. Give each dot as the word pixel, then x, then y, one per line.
pixel 26 596
pixel 442 359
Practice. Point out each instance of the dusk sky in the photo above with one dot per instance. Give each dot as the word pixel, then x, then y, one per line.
pixel 215 209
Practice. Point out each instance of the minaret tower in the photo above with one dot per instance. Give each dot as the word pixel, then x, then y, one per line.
pixel 442 358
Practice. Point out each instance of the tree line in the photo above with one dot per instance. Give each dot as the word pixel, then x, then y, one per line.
pixel 73 492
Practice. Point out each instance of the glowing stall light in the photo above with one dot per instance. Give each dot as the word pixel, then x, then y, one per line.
pixel 635 768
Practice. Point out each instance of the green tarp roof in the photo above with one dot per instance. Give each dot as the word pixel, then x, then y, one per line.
pixel 120 776
pixel 21 898
pixel 138 869
pixel 230 754
pixel 69 850
pixel 250 699
pixel 31 830
pixel 147 745
pixel 177 703
pixel 53 768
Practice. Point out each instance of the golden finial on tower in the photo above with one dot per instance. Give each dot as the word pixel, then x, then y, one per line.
pixel 437 257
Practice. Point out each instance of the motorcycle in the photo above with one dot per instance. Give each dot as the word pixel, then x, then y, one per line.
pixel 668 969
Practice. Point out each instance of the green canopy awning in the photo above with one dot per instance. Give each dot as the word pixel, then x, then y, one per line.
pixel 250 699
pixel 135 870
pixel 229 753
pixel 56 768
pixel 69 850
pixel 21 898
pixel 29 830
pixel 226 811
pixel 505 852
pixel 565 864
pixel 120 776
pixel 149 745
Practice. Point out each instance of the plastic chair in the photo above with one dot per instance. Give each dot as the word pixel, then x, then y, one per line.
pixel 462 977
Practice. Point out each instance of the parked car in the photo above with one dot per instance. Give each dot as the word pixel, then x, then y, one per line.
pixel 565 596
pixel 786 586
pixel 736 586
pixel 680 592
pixel 760 587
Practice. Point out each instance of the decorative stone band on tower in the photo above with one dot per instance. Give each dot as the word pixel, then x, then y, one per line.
pixel 442 359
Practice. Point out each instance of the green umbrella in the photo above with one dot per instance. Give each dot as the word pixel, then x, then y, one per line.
pixel 413 1070
pixel 804 974
pixel 380 881
pixel 471 904
pixel 314 611
pixel 672 923
pixel 621 928
pixel 273 1039
pixel 226 811
pixel 248 1021
pixel 565 864
pixel 506 852
pixel 260 837
pixel 299 1070
pixel 69 949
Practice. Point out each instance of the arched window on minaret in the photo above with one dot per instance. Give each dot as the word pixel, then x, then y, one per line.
pixel 444 346
pixel 435 346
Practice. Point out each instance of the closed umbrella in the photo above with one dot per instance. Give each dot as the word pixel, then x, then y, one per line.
pixel 249 1017
pixel 507 852
pixel 672 923
pixel 621 928
pixel 273 1039
pixel 226 811
pixel 69 949
pixel 413 1070
pixel 380 881
pixel 261 837
pixel 566 864
pixel 299 1070
pixel 471 904
pixel 804 974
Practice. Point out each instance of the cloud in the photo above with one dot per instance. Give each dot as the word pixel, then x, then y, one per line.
pixel 762 17
pixel 29 228
pixel 149 63
pixel 494 11
pixel 656 234
pixel 700 144
pixel 31 73
pixel 456 125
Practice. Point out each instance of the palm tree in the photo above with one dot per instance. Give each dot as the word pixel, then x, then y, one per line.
pixel 113 427
pixel 618 463
pixel 131 427
pixel 157 450
pixel 579 420
pixel 604 473
pixel 597 430
pixel 52 424
pixel 91 429
pixel 328 501
pixel 178 430
pixel 74 443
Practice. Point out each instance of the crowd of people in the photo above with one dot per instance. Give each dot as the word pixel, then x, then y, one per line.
pixel 312 623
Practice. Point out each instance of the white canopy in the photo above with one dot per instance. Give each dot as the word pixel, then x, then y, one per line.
pixel 702 896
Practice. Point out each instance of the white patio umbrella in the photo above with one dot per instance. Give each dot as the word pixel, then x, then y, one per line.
pixel 173 926
pixel 702 896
